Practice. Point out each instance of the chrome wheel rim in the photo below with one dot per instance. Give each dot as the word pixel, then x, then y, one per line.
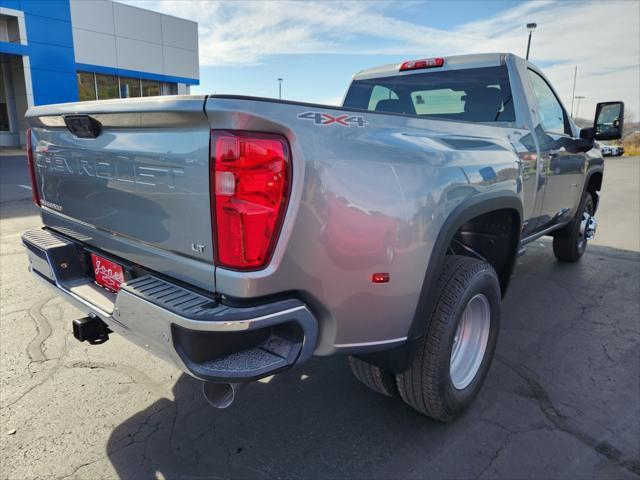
pixel 470 341
pixel 588 227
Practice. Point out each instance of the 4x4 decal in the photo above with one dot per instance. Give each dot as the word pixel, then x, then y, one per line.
pixel 323 119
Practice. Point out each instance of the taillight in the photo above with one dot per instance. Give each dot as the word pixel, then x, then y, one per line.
pixel 249 180
pixel 35 194
pixel 419 64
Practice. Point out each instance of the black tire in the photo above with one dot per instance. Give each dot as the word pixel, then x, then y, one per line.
pixel 568 243
pixel 374 377
pixel 428 386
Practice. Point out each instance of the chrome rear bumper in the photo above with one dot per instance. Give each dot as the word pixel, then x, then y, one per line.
pixel 204 338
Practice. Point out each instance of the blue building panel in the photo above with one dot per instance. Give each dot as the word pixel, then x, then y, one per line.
pixel 13 48
pixel 49 100
pixel 49 31
pixel 58 9
pixel 51 55
pixel 12 4
pixel 49 83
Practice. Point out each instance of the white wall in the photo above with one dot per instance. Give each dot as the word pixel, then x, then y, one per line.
pixel 114 35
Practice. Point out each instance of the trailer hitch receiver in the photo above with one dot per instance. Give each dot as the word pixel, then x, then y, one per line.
pixel 91 329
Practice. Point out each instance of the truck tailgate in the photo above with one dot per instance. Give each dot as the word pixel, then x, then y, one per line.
pixel 139 189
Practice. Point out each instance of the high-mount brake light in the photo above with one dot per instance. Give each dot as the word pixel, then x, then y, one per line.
pixel 35 194
pixel 424 63
pixel 249 180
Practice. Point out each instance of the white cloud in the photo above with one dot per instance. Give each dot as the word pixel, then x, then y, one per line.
pixel 245 32
pixel 602 39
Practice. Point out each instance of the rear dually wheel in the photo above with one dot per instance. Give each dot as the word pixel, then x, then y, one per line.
pixel 454 356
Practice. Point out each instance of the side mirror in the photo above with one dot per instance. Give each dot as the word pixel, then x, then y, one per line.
pixel 585 142
pixel 609 121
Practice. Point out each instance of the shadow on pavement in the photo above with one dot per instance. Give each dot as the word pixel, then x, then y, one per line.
pixel 289 427
pixel 14 179
pixel 15 209
pixel 561 400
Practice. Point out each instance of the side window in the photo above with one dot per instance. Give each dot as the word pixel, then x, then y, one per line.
pixel 438 101
pixel 380 93
pixel 552 115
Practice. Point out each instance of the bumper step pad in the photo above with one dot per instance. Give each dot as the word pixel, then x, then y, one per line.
pixel 214 342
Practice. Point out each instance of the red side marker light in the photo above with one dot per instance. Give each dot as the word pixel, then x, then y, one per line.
pixel 380 278
pixel 424 63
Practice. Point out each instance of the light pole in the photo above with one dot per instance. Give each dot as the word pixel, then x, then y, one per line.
pixel 575 75
pixel 279 89
pixel 578 97
pixel 531 27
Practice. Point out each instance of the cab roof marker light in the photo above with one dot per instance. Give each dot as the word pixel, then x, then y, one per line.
pixel 423 63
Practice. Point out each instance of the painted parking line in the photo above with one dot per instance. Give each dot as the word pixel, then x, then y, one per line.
pixel 25 186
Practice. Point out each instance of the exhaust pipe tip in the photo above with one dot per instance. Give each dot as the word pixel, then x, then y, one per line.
pixel 220 395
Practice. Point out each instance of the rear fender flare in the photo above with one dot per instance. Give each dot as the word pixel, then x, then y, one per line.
pixel 398 359
pixel 587 180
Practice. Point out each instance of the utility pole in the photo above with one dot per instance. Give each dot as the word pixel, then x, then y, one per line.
pixel 578 97
pixel 279 89
pixel 531 27
pixel 573 95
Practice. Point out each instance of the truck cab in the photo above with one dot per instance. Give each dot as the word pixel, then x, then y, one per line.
pixel 504 91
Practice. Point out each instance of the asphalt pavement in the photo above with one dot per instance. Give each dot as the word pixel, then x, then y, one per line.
pixel 14 179
pixel 562 399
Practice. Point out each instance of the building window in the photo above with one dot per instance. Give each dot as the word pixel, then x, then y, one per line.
pixel 169 88
pixel 86 86
pixel 96 86
pixel 4 117
pixel 150 88
pixel 10 30
pixel 129 87
pixel 4 107
pixel 107 86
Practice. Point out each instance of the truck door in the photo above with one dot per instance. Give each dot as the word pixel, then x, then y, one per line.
pixel 564 165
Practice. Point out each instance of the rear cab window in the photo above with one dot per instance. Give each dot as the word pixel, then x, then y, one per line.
pixel 380 93
pixel 472 95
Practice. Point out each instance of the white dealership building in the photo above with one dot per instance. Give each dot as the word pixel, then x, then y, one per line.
pixel 59 51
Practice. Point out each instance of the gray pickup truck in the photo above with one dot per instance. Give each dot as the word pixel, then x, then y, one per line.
pixel 238 236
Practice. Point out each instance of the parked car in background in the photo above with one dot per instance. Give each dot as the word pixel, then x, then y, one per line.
pixel 612 150
pixel 238 236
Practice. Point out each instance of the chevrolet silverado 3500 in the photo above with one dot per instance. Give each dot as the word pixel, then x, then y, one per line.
pixel 238 236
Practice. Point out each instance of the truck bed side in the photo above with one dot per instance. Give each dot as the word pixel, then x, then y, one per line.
pixel 370 192
pixel 365 199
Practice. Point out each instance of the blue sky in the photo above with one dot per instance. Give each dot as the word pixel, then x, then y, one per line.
pixel 317 46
